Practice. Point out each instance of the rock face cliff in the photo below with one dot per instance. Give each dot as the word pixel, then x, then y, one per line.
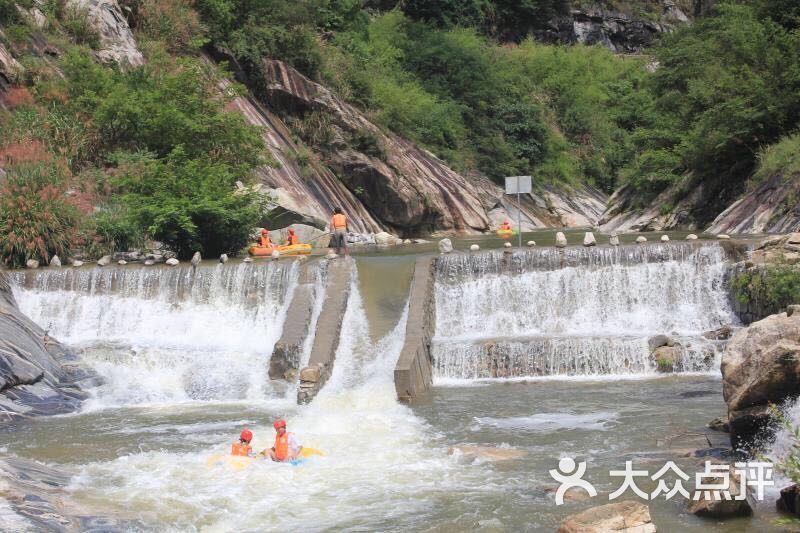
pixel 38 376
pixel 616 30
pixel 117 44
pixel 773 207
pixel 400 186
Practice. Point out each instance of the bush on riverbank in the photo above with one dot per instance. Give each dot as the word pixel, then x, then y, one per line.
pixel 767 290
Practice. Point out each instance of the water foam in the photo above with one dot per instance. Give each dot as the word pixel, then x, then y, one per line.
pixel 382 468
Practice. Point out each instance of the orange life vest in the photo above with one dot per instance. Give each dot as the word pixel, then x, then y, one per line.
pixel 292 239
pixel 264 241
pixel 505 226
pixel 282 446
pixel 339 221
pixel 240 449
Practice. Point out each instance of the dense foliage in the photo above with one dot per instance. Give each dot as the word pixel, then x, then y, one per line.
pixel 151 152
pixel 769 289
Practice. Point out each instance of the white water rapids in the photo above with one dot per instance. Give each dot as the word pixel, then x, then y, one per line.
pixel 166 335
pixel 578 312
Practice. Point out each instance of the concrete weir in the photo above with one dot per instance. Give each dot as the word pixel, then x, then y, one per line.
pixel 285 359
pixel 412 374
pixel 329 326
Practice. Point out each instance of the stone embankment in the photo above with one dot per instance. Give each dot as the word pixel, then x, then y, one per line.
pixel 413 372
pixel 328 332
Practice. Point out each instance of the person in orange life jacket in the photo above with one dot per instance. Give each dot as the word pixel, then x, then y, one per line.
pixel 287 447
pixel 339 228
pixel 242 448
pixel 264 240
pixel 505 225
pixel 291 238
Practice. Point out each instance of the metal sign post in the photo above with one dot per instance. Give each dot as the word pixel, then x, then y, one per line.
pixel 519 185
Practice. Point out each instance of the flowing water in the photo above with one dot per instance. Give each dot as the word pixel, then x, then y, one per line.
pixel 184 353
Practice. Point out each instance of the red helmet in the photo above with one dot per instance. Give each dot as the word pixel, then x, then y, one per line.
pixel 280 423
pixel 291 231
pixel 264 232
pixel 246 435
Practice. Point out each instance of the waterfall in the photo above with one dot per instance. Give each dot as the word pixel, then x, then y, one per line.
pixel 163 334
pixel 579 311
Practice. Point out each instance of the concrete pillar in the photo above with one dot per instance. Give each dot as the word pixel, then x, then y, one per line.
pixel 413 374
pixel 329 326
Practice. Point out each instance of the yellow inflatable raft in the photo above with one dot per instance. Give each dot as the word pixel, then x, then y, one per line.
pixel 292 249
pixel 238 462
pixel 505 233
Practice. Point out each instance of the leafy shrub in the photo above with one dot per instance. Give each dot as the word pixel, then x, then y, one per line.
pixel 771 289
pixel 189 204
pixel 782 158
pixel 175 22
pixel 37 220
pixel 76 22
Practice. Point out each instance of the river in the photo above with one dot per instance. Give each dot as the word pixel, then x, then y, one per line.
pixel 552 362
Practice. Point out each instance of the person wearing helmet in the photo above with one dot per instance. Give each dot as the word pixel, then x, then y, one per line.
pixel 287 447
pixel 264 240
pixel 506 225
pixel 242 448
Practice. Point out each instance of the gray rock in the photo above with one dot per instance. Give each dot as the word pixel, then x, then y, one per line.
pixel 247 260
pixel 723 236
pixel 331 255
pixel 719 424
pixel 792 309
pixel 77 263
pixel 31 263
pixel 720 334
pixel 657 341
pixel 507 245
pixel 474 248
pixel 55 261
pixel 386 239
pixel 665 238
pixel 117 44
pixel 531 244
pixel 614 240
pixel 406 241
pixel 691 237
pixel 169 254
pixel 789 502
pixel 625 516
pixel 561 240
pixel 104 261
pixel 196 258
pixel 711 508
pixel 149 262
pixel 172 261
pixel 445 246
pixel 223 258
pixel 275 255
pixel 589 240
pixel 641 239
pixel 122 262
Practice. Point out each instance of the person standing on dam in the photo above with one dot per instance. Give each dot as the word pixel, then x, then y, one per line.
pixel 339 229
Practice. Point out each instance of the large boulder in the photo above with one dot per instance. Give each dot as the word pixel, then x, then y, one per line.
pixel 760 365
pixel 561 240
pixel 117 44
pixel 625 516
pixel 38 376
